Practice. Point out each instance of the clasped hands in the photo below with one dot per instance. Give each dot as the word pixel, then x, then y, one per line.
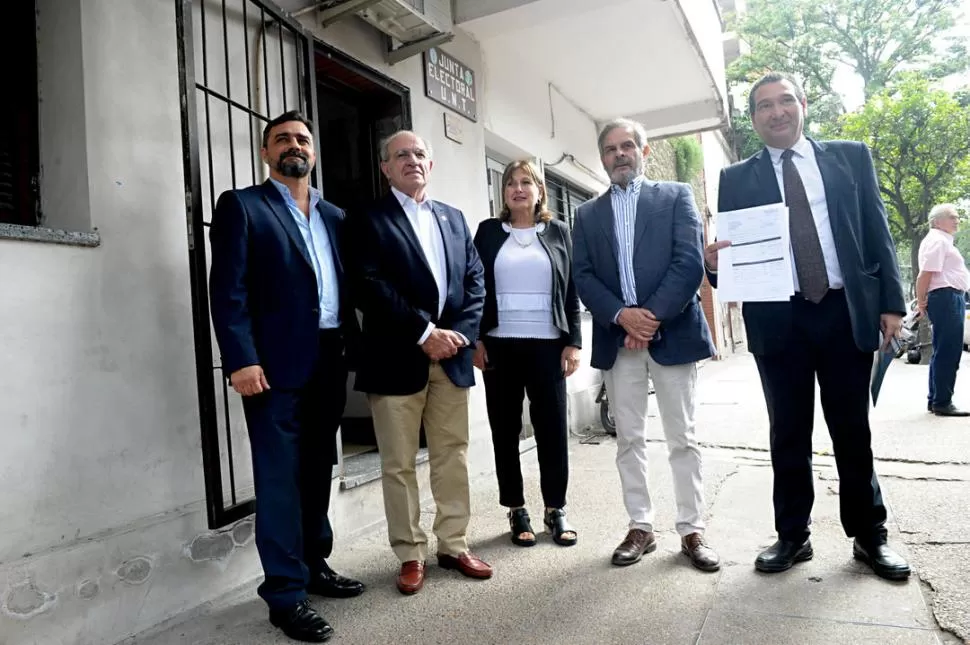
pixel 442 343
pixel 640 326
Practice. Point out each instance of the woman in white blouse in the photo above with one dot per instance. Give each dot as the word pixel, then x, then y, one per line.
pixel 528 343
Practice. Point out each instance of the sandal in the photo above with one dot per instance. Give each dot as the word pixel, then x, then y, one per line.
pixel 555 521
pixel 519 524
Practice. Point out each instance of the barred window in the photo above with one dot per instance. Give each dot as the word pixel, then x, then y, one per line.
pixel 565 198
pixel 19 147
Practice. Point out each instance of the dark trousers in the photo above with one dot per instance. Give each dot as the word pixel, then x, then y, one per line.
pixel 516 367
pixel 293 439
pixel 946 308
pixel 821 347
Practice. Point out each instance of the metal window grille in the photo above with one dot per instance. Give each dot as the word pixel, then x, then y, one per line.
pixel 564 198
pixel 241 63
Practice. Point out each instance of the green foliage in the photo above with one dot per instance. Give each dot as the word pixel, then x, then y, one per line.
pixel 745 139
pixel 920 141
pixel 962 239
pixel 689 158
pixel 877 39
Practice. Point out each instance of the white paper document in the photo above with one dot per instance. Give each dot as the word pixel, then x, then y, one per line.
pixel 757 267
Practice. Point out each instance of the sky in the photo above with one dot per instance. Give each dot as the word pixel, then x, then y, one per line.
pixel 850 86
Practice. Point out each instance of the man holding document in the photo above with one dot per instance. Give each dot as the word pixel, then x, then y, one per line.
pixel 822 293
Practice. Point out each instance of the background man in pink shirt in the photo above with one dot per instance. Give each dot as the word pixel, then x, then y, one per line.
pixel 941 288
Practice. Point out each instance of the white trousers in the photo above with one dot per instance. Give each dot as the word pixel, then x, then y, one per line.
pixel 627 387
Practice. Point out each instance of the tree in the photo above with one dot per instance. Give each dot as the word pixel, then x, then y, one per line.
pixel 877 39
pixel 881 39
pixel 920 141
pixel 962 239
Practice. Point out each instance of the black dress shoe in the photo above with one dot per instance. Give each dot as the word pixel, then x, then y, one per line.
pixel 301 623
pixel 884 561
pixel 782 556
pixel 949 410
pixel 327 582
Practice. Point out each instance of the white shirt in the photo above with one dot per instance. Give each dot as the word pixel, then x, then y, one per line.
pixel 523 287
pixel 421 218
pixel 807 166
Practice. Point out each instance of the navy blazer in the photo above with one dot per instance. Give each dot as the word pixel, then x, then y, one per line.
pixel 263 291
pixel 398 296
pixel 863 242
pixel 668 267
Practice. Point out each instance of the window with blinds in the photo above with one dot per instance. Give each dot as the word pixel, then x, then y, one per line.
pixel 19 165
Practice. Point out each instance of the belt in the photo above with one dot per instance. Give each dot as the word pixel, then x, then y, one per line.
pixel 838 290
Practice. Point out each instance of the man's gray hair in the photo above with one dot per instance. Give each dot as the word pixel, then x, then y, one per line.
pixel 940 211
pixel 386 143
pixel 639 132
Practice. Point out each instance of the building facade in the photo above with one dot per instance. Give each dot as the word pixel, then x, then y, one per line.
pixel 125 483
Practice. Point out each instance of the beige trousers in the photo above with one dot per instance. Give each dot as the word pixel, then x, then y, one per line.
pixel 627 386
pixel 443 408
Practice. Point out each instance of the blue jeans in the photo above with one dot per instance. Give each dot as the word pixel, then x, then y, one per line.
pixel 946 311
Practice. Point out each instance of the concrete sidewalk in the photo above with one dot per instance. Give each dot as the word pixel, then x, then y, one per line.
pixel 549 594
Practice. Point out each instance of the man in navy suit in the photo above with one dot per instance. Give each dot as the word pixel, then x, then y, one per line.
pixel 283 318
pixel 638 264
pixel 421 291
pixel 847 292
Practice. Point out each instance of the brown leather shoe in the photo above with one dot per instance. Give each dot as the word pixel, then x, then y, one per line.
pixel 701 556
pixel 467 564
pixel 411 578
pixel 634 545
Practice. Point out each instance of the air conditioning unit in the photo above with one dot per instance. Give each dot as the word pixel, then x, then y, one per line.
pixel 409 21
pixel 411 25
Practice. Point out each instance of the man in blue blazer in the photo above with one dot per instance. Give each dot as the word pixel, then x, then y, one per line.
pixel 847 292
pixel 638 264
pixel 420 287
pixel 282 316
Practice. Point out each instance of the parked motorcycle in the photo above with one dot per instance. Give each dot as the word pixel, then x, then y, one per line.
pixel 606 414
pixel 909 342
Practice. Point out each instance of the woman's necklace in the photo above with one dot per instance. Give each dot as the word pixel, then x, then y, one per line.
pixel 526 241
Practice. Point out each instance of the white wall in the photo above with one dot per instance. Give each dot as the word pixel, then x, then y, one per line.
pixel 100 340
pixel 100 471
pixel 703 20
pixel 523 110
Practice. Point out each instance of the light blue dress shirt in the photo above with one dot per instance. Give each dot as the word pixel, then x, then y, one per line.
pixel 317 240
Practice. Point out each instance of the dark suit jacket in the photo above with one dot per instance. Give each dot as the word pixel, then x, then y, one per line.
pixel 863 243
pixel 265 308
pixel 555 240
pixel 398 297
pixel 668 267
